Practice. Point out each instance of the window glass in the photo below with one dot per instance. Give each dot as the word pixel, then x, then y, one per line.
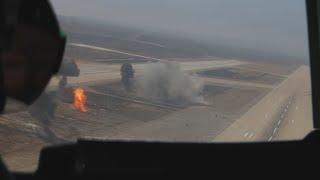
pixel 170 70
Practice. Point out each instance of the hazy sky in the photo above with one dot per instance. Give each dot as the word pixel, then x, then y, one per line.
pixel 274 25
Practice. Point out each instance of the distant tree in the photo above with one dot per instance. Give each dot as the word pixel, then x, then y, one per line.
pixel 127 74
pixel 69 68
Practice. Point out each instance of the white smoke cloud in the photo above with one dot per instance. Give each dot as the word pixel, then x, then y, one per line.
pixel 166 81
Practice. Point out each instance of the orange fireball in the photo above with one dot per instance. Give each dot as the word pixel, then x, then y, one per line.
pixel 79 99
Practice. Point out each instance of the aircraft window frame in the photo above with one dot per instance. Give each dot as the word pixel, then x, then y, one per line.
pixel 313 19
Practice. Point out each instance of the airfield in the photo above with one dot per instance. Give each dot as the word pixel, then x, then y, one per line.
pixel 244 101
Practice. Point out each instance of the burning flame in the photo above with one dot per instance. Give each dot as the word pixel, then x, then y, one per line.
pixel 79 99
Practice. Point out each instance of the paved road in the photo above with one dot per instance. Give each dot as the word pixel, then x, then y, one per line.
pixel 113 51
pixel 285 113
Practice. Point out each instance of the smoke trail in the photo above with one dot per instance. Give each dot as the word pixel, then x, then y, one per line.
pixel 166 81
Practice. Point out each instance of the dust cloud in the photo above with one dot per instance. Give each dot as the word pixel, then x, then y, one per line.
pixel 166 81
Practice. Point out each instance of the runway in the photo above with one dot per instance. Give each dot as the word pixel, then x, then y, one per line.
pixel 285 113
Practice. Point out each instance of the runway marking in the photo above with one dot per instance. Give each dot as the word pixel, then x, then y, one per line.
pixel 114 51
pixel 275 130
pixel 246 134
pixel 34 127
pixel 251 135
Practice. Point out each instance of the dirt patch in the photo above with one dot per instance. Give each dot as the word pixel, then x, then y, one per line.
pixel 280 69
pixel 243 75
pixel 116 89
pixel 225 100
pixel 234 101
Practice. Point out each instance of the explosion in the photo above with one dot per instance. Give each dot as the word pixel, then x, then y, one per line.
pixel 79 99
pixel 166 81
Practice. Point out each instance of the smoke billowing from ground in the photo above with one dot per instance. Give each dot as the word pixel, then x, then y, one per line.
pixel 166 81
